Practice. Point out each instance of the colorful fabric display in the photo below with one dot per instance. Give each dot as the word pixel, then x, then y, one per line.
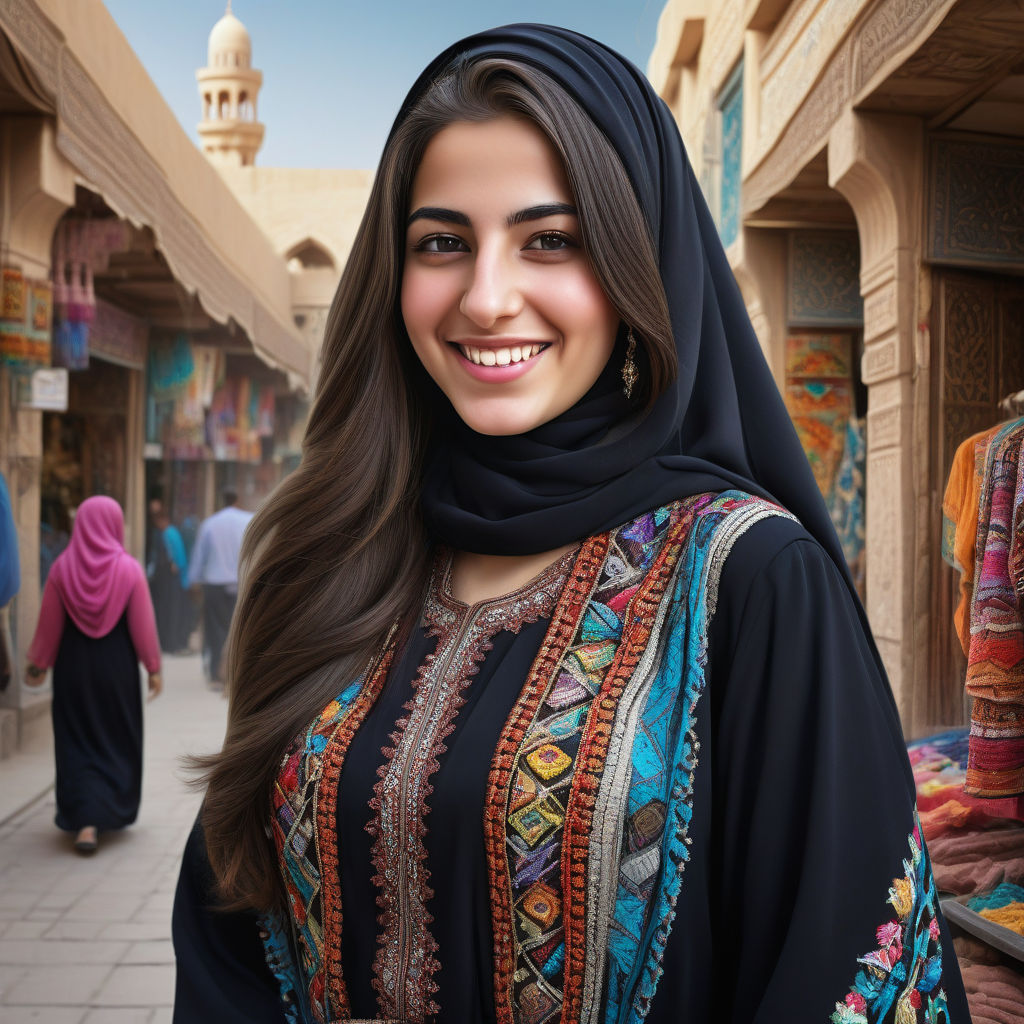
pixel 1011 916
pixel 973 860
pixel 995 993
pixel 995 661
pixel 1001 896
pixel 846 503
pixel 960 509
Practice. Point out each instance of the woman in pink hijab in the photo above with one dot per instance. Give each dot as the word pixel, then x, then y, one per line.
pixel 95 625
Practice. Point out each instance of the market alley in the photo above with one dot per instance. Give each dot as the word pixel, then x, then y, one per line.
pixel 88 940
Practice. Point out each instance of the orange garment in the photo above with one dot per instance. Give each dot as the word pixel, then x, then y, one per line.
pixel 960 506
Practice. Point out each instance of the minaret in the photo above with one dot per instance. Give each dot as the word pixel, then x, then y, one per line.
pixel 228 86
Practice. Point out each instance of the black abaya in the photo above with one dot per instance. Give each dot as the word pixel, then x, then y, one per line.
pixel 97 728
pixel 800 821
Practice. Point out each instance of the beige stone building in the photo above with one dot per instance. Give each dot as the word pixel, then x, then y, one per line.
pixel 864 160
pixel 179 294
pixel 309 214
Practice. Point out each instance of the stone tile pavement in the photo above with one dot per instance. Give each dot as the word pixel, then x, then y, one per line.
pixel 88 940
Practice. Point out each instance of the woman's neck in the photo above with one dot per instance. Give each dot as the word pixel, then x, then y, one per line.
pixel 475 577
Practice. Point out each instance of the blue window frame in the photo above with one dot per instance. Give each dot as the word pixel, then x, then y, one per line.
pixel 730 106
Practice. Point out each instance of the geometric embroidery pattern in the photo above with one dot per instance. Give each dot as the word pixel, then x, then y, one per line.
pixel 535 784
pixel 406 962
pixel 304 801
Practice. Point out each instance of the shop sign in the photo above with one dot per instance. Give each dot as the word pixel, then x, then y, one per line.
pixel 25 320
pixel 45 389
pixel 118 337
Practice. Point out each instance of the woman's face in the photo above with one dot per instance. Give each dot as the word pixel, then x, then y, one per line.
pixel 498 295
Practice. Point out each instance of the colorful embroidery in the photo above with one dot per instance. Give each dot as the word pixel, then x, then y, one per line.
pixel 548 734
pixel 644 804
pixel 278 954
pixel 559 826
pixel 588 807
pixel 904 973
pixel 537 861
pixel 405 964
pixel 304 801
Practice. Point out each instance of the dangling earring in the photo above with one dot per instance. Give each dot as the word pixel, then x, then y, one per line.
pixel 629 370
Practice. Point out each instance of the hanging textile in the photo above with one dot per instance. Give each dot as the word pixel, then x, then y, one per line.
pixel 995 660
pixel 846 503
pixel 961 507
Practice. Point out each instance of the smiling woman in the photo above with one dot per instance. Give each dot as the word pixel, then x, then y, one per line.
pixel 551 695
pixel 499 297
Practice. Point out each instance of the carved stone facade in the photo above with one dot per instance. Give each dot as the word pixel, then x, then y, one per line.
pixel 824 279
pixel 976 203
pixel 913 108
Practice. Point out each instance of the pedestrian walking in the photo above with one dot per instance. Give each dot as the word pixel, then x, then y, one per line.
pixel 551 697
pixel 214 569
pixel 95 625
pixel 10 580
pixel 168 584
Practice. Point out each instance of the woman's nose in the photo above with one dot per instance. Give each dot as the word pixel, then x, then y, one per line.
pixel 493 292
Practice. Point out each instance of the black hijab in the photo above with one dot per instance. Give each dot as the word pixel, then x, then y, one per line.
pixel 721 424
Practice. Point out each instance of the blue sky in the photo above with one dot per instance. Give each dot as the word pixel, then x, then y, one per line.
pixel 335 71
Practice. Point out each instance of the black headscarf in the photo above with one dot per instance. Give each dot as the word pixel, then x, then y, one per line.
pixel 720 425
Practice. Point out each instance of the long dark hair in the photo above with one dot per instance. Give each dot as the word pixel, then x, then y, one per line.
pixel 338 553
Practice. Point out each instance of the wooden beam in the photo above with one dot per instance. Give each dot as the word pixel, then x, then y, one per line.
pixel 764 15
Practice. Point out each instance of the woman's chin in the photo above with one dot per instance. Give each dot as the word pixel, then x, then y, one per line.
pixel 504 418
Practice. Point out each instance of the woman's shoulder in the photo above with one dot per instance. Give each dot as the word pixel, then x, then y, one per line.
pixel 743 531
pixel 745 542
pixel 776 561
pixel 765 541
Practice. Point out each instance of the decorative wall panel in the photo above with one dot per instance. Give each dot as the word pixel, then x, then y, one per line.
pixel 824 279
pixel 976 207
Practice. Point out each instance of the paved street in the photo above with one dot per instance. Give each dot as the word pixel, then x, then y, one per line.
pixel 88 940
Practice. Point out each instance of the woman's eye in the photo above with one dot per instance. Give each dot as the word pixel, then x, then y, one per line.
pixel 551 241
pixel 441 243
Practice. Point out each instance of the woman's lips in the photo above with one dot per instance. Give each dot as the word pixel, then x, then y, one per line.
pixel 496 364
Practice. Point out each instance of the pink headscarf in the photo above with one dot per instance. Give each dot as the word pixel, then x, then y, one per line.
pixel 94 574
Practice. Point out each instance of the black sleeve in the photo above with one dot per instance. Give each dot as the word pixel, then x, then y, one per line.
pixel 811 898
pixel 222 975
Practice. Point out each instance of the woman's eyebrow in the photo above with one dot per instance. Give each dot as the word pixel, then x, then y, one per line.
pixel 538 212
pixel 438 213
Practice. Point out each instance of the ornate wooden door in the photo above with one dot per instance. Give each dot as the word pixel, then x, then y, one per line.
pixel 978 359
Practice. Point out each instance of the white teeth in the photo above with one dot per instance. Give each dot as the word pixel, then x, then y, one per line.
pixel 500 356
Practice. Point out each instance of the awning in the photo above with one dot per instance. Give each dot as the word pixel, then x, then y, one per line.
pixel 116 130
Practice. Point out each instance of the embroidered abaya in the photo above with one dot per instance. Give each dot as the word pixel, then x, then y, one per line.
pixel 95 625
pixel 665 779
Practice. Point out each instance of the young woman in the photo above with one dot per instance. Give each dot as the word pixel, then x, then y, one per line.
pixel 95 625
pixel 551 698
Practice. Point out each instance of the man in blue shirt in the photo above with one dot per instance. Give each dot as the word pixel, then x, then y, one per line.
pixel 214 568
